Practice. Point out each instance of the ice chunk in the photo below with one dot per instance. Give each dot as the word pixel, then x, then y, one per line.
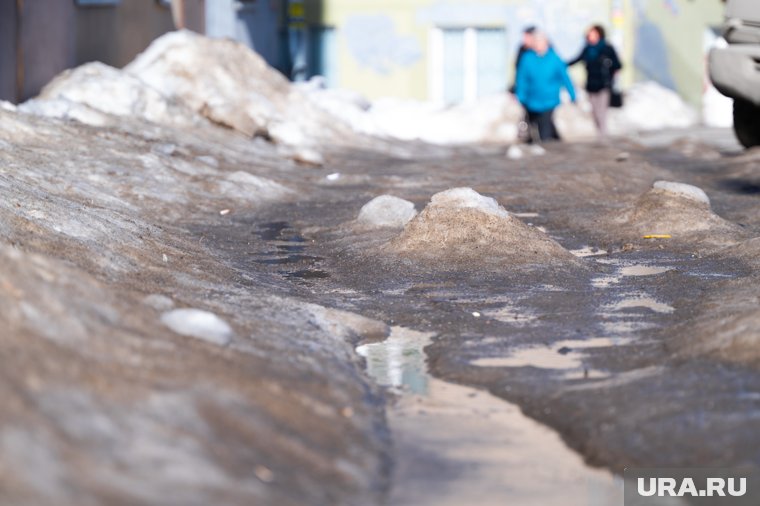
pixel 683 190
pixel 537 150
pixel 387 211
pixel 199 324
pixel 468 198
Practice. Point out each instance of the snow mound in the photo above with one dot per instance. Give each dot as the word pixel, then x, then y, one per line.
pixel 386 211
pixel 199 324
pixel 675 209
pixel 462 226
pixel 683 190
pixel 111 91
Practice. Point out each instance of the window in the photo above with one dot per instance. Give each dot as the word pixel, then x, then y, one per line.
pixel 467 63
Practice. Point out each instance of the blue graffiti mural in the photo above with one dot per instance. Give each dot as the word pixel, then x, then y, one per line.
pixel 651 51
pixel 375 43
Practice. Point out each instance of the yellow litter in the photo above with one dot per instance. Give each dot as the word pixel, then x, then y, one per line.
pixel 658 236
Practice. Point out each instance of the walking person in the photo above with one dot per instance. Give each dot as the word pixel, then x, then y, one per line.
pixel 602 63
pixel 541 75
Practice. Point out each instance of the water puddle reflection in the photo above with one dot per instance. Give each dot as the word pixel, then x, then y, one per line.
pixel 510 314
pixel 642 302
pixel 625 271
pixel 475 448
pixel 588 251
pixel 565 357
pixel 399 360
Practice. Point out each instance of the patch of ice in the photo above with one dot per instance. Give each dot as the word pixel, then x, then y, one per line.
pixel 683 190
pixel 387 211
pixel 158 302
pixel 468 198
pixel 588 251
pixel 244 185
pixel 514 152
pixel 199 324
pixel 537 150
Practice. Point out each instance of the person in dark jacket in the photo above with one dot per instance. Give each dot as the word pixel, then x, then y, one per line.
pixel 541 75
pixel 525 45
pixel 602 63
pixel 523 132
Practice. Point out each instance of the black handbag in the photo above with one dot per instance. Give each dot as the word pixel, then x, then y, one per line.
pixel 616 98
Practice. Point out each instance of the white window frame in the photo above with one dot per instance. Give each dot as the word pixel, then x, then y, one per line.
pixel 435 67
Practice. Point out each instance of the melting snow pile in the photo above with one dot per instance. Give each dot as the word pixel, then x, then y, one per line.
pixel 489 119
pixel 460 225
pixel 494 119
pixel 185 79
pixel 675 209
pixel 386 211
pixel 97 94
pixel 650 106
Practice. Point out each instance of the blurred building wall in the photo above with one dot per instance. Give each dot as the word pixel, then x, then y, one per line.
pixel 41 38
pixel 405 48
pixel 668 43
pixel 8 50
pixel 258 24
pixel 446 50
pixel 116 34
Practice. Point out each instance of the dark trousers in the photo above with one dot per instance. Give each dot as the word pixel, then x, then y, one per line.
pixel 542 126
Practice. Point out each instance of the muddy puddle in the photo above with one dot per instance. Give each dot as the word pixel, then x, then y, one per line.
pixel 286 249
pixel 623 271
pixel 456 445
pixel 565 358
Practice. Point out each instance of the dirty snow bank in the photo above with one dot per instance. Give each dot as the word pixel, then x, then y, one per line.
pixel 726 325
pixel 460 225
pixel 100 394
pixel 98 88
pixel 676 209
pixel 187 80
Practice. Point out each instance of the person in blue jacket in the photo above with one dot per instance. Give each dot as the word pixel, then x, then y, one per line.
pixel 541 75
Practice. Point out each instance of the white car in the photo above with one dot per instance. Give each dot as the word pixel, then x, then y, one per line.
pixel 735 68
